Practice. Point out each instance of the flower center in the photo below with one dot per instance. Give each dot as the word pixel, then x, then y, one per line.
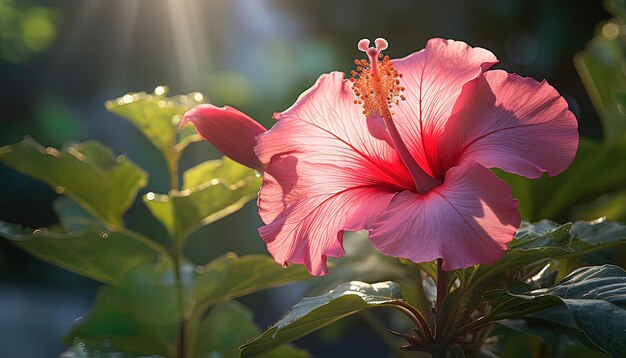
pixel 376 85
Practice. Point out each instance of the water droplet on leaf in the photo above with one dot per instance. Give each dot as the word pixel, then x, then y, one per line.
pixel 52 151
pixel 161 90
pixel 150 196
pixel 59 189
pixel 104 235
pixel 121 158
pixel 127 99
pixel 197 96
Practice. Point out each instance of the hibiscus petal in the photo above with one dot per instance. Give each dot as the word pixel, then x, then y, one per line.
pixel 433 79
pixel 229 130
pixel 325 126
pixel 305 223
pixel 467 220
pixel 513 123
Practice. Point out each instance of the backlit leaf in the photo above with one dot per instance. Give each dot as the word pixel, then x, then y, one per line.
pixel 142 313
pixel 101 254
pixel 226 327
pixel 212 190
pixel 89 173
pixel 158 118
pixel 231 276
pixel 313 313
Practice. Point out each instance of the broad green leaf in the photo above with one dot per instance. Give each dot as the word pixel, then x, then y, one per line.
pixel 101 254
pixel 158 118
pixel 89 173
pixel 142 312
pixel 222 187
pixel 528 247
pixel 72 216
pixel 231 276
pixel 313 313
pixel 224 170
pixel 81 350
pixel 140 315
pixel 556 329
pixel 596 298
pixel 226 327
pixel 597 234
pixel 536 243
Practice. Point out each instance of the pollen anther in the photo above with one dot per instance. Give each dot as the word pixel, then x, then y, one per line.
pixel 376 84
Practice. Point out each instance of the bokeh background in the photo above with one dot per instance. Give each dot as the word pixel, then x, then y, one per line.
pixel 61 60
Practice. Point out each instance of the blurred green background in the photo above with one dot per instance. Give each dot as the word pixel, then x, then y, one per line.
pixel 61 60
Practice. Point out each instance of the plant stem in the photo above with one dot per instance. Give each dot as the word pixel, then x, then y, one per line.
pixel 172 166
pixel 415 316
pixel 177 256
pixel 439 347
pixel 181 339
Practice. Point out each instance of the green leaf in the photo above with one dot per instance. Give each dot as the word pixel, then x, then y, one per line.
pixel 533 243
pixel 72 216
pixel 226 327
pixel 95 252
pixel 224 170
pixel 158 118
pixel 215 189
pixel 597 234
pixel 523 266
pixel 536 243
pixel 231 276
pixel 89 173
pixel 81 350
pixel 313 313
pixel 140 315
pixel 556 329
pixel 142 312
pixel 596 298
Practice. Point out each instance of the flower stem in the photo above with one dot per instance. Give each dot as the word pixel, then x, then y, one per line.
pixel 439 347
pixel 172 166
pixel 177 256
pixel 181 339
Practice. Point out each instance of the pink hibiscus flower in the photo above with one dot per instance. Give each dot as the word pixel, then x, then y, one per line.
pixel 403 150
